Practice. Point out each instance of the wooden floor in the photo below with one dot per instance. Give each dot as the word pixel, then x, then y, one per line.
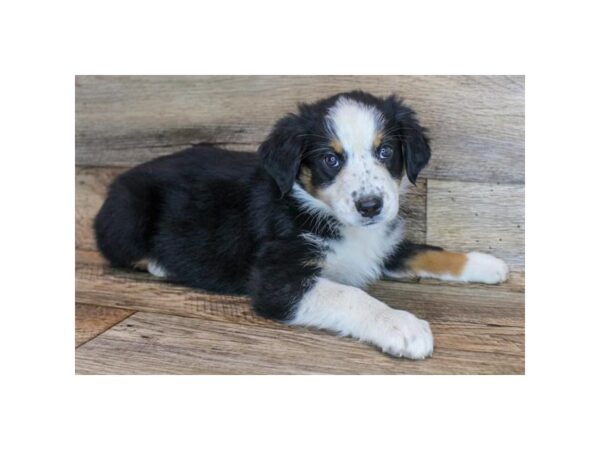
pixel 129 323
pixel 470 197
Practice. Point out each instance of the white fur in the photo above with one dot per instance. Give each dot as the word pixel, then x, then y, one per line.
pixel 484 268
pixel 356 259
pixel 350 311
pixel 155 269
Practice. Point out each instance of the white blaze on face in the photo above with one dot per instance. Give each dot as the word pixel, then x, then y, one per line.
pixel 356 126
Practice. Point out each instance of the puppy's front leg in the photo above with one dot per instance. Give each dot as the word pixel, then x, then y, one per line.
pixel 285 286
pixel 350 311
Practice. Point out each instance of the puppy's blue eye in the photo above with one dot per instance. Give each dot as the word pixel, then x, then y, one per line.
pixel 385 152
pixel 331 160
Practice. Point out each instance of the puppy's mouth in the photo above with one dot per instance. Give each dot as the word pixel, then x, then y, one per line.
pixel 369 222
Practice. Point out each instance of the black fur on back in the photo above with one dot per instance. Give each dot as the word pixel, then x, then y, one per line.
pixel 215 220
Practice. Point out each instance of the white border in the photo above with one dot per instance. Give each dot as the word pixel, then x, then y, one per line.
pixel 46 43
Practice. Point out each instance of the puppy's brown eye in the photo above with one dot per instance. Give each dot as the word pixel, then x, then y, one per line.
pixel 385 152
pixel 331 160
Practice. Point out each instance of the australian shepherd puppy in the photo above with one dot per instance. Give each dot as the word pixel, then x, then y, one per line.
pixel 301 226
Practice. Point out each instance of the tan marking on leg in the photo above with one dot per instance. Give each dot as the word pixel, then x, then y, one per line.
pixel 438 262
pixel 337 146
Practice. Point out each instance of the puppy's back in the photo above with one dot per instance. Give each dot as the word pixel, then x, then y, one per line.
pixel 131 215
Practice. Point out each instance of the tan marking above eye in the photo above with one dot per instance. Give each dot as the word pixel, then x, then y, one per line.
pixel 377 140
pixel 336 146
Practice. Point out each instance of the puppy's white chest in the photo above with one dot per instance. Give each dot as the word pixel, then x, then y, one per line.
pixel 356 259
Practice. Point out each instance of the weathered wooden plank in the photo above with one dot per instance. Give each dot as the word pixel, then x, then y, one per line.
pixel 477 216
pixel 413 209
pixel 90 192
pixel 476 122
pixel 91 320
pixel 92 182
pixel 102 285
pixel 149 343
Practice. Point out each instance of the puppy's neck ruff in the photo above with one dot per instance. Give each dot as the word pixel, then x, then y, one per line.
pixel 357 258
pixel 357 253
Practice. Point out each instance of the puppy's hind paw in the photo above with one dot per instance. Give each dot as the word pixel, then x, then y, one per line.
pixel 484 268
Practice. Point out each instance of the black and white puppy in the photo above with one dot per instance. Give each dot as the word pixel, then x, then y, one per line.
pixel 301 226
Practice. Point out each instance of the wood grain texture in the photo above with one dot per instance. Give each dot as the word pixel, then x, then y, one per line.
pixel 476 122
pixel 92 183
pixel 413 208
pixel 100 284
pixel 148 343
pixel 478 329
pixel 92 320
pixel 478 216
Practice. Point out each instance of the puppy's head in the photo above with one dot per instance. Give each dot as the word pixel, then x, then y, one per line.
pixel 347 154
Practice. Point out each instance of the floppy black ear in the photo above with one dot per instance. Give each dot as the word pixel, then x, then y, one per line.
pixel 416 152
pixel 281 153
pixel 415 143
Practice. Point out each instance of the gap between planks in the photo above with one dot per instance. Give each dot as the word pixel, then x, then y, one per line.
pixel 92 320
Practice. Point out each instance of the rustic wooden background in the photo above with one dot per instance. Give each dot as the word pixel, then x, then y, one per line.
pixel 470 197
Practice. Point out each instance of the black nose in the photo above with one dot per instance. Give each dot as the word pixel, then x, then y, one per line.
pixel 369 206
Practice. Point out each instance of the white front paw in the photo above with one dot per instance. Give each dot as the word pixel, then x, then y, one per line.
pixel 402 334
pixel 483 268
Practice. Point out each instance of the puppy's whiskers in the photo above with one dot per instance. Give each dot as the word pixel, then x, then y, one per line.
pixel 314 151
